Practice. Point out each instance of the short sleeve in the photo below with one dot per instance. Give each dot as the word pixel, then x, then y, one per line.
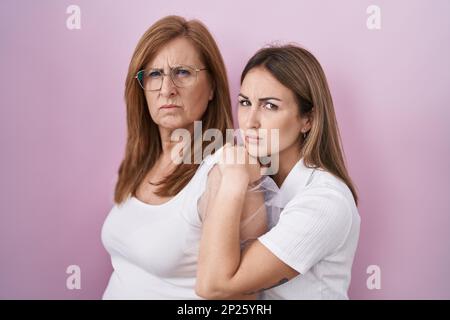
pixel 312 225
pixel 195 189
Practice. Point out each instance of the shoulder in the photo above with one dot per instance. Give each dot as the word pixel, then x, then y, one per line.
pixel 208 166
pixel 329 188
pixel 324 200
pixel 207 173
pixel 213 158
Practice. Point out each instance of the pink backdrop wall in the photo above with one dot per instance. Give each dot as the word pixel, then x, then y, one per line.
pixel 62 129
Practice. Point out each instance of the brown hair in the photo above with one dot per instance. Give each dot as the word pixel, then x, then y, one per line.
pixel 143 145
pixel 298 70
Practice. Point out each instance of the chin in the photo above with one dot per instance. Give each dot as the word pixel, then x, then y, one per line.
pixel 173 124
pixel 256 151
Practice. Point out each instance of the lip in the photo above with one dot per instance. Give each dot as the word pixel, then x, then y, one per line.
pixel 169 106
pixel 252 139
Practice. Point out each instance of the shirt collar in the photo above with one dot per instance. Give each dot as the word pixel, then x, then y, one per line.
pixel 297 179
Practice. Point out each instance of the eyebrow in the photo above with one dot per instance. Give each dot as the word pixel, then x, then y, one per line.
pixel 261 99
pixel 175 65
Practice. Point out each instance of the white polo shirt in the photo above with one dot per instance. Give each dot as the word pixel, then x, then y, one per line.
pixel 316 234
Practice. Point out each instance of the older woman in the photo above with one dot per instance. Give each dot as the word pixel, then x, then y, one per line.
pixel 176 77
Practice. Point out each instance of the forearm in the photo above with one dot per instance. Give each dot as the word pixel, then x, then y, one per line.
pixel 219 255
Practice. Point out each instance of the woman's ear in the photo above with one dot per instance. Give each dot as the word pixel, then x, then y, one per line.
pixel 211 93
pixel 307 121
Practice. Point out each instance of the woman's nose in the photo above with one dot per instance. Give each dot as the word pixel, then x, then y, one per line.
pixel 168 88
pixel 253 118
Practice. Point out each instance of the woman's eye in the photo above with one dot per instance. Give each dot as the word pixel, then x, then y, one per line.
pixel 154 74
pixel 180 72
pixel 270 106
pixel 244 103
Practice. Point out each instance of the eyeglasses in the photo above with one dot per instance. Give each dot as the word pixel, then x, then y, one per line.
pixel 181 76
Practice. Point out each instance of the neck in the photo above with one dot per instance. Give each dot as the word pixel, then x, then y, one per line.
pixel 286 161
pixel 166 143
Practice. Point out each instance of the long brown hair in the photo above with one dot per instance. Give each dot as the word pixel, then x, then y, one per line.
pixel 297 69
pixel 143 145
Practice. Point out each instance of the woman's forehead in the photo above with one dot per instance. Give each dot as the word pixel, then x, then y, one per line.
pixel 179 51
pixel 261 83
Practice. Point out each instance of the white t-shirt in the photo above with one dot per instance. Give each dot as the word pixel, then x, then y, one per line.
pixel 316 234
pixel 154 248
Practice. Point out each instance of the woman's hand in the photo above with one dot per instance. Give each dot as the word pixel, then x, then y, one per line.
pixel 237 165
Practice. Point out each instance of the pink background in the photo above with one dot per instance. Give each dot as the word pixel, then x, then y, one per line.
pixel 62 129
